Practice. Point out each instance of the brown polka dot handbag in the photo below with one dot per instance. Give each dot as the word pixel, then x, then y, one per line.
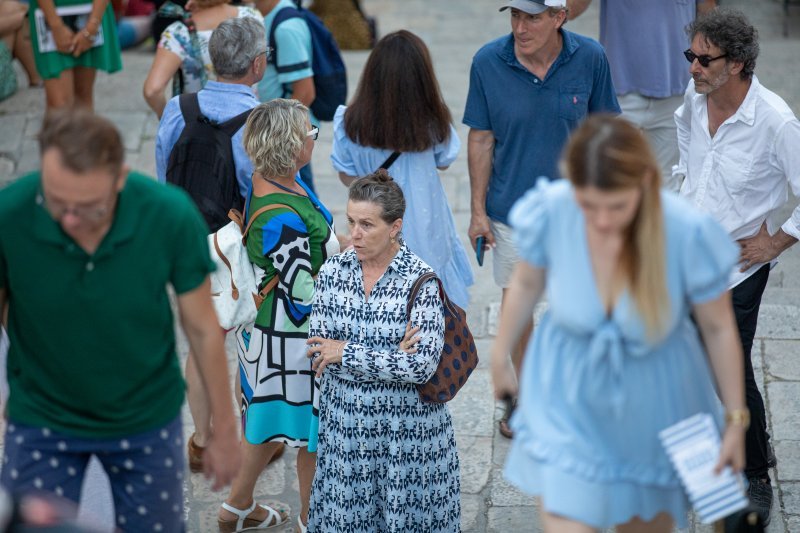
pixel 459 356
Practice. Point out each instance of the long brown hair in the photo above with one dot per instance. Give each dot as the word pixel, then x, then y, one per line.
pixel 610 154
pixel 398 103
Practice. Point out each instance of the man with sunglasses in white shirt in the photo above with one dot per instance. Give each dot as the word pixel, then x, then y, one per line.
pixel 643 40
pixel 739 152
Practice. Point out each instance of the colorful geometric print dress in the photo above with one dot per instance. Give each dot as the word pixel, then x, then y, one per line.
pixel 278 386
pixel 386 461
pixel 594 390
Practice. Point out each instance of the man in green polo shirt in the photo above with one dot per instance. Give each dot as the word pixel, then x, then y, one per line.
pixel 87 252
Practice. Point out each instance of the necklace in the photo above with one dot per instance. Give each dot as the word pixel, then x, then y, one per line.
pixel 287 189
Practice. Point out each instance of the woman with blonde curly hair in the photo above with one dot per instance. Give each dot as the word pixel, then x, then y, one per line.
pixel 290 241
pixel 183 49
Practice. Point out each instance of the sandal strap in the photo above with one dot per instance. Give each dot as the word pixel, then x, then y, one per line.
pixel 271 514
pixel 303 528
pixel 242 514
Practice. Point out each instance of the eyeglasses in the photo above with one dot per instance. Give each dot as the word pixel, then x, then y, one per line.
pixel 267 53
pixel 704 60
pixel 90 213
pixel 314 133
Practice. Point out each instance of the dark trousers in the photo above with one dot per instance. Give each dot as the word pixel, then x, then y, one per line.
pixel 746 303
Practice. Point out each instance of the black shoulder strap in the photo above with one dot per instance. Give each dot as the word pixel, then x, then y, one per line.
pixel 412 296
pixel 390 160
pixel 190 107
pixel 232 125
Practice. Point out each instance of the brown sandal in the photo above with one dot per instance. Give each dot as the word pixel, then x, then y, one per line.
pixel 195 454
pixel 503 427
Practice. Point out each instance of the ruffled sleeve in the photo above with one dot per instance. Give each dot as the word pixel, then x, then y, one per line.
pixel 446 152
pixel 340 152
pixel 709 257
pixel 529 220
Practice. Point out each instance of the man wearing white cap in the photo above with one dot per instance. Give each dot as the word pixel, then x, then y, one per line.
pixel 528 91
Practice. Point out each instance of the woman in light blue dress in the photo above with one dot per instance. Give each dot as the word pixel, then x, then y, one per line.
pixel 616 358
pixel 398 107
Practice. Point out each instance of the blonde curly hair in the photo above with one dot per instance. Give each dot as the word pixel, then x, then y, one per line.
pixel 274 135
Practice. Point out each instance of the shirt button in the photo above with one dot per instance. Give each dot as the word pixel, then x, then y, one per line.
pixel 535 81
pixel 89 266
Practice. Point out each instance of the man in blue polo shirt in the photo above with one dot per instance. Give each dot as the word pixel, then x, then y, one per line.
pixel 528 91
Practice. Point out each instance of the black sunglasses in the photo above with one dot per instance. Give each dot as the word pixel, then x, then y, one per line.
pixel 704 60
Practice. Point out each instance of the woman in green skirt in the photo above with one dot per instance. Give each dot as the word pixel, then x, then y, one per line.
pixel 71 40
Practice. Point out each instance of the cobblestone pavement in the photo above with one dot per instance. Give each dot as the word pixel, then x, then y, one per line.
pixel 454 31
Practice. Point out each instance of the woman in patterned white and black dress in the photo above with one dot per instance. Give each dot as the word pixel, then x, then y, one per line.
pixel 386 461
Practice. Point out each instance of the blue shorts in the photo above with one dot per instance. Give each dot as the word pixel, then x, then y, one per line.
pixel 146 471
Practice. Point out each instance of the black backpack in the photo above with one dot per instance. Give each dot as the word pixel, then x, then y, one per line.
pixel 330 76
pixel 201 162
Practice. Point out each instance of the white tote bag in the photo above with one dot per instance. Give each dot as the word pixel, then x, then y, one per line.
pixel 234 283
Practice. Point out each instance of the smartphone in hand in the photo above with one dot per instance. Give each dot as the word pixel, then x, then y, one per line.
pixel 480 244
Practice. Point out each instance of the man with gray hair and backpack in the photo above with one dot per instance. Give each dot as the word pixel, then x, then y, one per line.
pixel 199 148
pixel 199 140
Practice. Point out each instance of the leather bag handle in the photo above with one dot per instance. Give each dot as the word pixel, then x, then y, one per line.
pixel 236 216
pixel 417 286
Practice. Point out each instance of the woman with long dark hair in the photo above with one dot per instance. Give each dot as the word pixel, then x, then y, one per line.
pixel 616 358
pixel 398 107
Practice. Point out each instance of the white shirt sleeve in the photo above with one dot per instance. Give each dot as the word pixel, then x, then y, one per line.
pixel 787 158
pixel 683 121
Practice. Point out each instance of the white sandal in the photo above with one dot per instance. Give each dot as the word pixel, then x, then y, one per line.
pixel 243 523
pixel 303 529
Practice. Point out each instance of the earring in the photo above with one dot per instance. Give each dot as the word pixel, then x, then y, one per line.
pixel 393 239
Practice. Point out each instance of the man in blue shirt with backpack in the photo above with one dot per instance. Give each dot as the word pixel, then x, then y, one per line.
pixel 238 50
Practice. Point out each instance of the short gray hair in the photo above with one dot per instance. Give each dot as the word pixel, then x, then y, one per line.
pixel 235 44
pixel 274 134
pixel 380 189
